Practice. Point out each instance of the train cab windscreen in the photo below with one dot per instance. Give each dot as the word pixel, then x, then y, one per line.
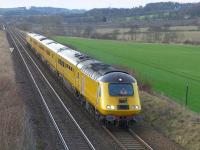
pixel 121 89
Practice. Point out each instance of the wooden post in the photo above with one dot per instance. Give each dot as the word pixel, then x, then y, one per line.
pixel 186 94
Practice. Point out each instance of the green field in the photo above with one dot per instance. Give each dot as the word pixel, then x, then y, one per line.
pixel 167 67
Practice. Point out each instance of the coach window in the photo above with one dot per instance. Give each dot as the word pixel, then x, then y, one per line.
pixel 62 63
pixel 48 53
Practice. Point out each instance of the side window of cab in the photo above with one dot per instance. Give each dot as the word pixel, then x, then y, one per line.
pixel 99 92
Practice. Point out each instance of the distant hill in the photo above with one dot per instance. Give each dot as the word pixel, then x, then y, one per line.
pixel 158 10
pixel 113 16
pixel 39 11
pixel 151 8
pixel 150 12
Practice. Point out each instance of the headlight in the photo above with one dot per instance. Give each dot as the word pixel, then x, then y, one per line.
pixel 110 107
pixel 135 107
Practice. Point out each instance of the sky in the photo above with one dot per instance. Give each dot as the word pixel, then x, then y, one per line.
pixel 83 4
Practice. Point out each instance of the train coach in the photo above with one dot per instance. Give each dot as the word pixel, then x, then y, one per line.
pixel 111 94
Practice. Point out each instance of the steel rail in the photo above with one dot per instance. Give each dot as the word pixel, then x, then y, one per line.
pixel 129 139
pixel 140 140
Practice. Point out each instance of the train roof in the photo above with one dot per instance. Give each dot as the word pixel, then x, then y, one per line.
pixel 95 69
pixel 54 46
pixel 36 36
pixel 69 55
pixel 117 77
pixel 89 66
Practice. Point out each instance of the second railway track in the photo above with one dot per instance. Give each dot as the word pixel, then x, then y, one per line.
pixel 126 139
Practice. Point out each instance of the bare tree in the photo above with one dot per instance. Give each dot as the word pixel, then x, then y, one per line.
pixel 26 27
pixel 170 37
pixel 156 32
pixel 115 34
pixel 89 31
pixel 198 27
pixel 133 32
pixel 78 31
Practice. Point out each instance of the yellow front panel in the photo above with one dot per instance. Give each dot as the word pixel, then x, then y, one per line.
pixel 106 99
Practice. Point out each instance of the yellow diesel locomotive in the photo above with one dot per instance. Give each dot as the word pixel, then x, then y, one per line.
pixel 108 92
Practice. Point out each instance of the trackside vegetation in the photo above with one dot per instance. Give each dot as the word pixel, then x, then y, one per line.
pixel 167 67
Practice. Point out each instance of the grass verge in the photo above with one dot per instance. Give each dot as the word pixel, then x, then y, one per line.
pixel 14 129
pixel 175 121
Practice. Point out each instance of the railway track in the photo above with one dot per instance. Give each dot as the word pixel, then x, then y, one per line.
pixel 126 139
pixel 70 133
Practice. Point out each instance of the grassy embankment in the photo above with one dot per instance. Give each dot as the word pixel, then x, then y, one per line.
pixel 168 68
pixel 13 123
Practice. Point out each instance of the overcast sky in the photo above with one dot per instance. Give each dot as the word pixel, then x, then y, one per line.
pixel 83 4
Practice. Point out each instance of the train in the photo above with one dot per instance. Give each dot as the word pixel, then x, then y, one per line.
pixel 112 95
